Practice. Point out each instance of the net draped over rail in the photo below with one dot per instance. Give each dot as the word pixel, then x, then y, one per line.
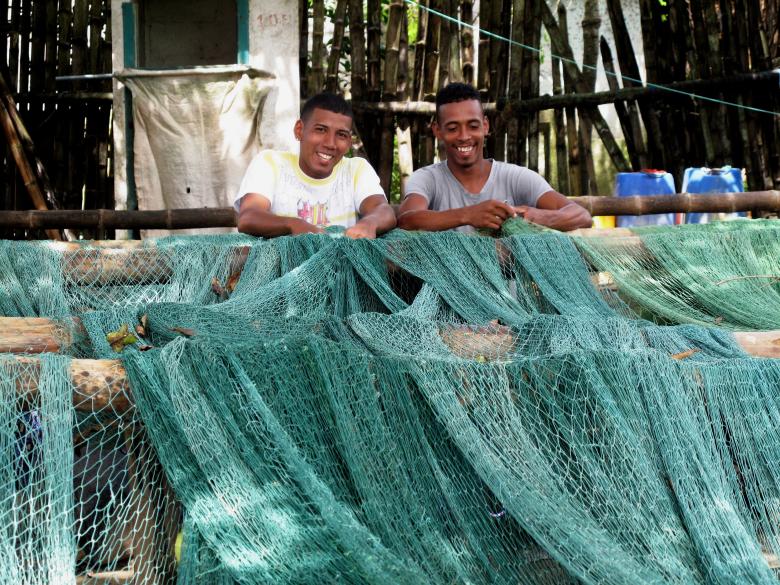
pixel 423 408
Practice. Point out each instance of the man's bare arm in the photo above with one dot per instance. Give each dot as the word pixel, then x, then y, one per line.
pixel 256 219
pixel 415 215
pixel 376 217
pixel 555 211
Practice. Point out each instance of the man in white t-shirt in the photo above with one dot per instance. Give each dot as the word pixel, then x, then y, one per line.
pixel 284 193
pixel 468 191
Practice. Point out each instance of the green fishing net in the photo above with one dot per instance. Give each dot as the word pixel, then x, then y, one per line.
pixel 422 408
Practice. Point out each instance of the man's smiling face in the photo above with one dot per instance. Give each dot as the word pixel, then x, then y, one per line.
pixel 462 127
pixel 325 138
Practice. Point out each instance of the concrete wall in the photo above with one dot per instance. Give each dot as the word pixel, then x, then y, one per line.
pixel 273 46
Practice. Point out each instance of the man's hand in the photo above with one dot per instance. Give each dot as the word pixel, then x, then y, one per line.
pixel 488 214
pixel 299 226
pixel 361 230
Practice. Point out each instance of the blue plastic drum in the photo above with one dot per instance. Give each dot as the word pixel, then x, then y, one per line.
pixel 649 182
pixel 704 180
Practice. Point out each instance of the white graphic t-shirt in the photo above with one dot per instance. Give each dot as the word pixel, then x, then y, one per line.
pixel 334 200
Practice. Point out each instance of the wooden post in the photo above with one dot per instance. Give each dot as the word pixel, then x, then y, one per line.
pixel 620 108
pixel 303 46
pixel 467 41
pixel 339 16
pixel 26 171
pixel 562 174
pixel 318 48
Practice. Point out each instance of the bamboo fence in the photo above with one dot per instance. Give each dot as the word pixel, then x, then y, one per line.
pixel 64 128
pixel 732 59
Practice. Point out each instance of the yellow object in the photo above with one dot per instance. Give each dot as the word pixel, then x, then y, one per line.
pixel 177 546
pixel 604 221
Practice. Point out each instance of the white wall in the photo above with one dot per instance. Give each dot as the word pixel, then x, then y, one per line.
pixel 273 46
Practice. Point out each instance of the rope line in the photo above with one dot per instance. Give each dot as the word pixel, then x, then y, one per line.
pixel 648 84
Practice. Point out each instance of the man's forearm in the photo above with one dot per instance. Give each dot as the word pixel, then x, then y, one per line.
pixel 265 224
pixel 382 219
pixel 570 217
pixel 432 221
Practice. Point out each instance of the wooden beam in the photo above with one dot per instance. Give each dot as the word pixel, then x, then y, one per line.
pixel 509 108
pixel 125 261
pixel 32 335
pixel 102 384
pixel 681 203
pixel 226 217
pixel 97 384
pixel 170 219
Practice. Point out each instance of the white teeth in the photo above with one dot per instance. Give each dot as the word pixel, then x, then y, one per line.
pixel 324 156
pixel 465 148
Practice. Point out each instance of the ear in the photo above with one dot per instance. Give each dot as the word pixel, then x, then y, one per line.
pixel 298 130
pixel 486 124
pixel 435 129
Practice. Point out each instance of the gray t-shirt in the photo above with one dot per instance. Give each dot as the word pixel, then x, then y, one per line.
pixel 507 182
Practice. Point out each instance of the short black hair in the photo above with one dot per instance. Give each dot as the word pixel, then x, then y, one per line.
pixel 456 92
pixel 326 101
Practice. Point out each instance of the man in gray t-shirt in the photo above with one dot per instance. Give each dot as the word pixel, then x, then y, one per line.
pixel 468 191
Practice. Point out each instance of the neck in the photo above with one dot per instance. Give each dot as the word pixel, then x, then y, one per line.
pixel 478 169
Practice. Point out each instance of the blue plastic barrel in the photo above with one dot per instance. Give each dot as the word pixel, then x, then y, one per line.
pixel 648 182
pixel 705 180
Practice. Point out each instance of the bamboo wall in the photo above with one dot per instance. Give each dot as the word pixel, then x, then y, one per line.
pixel 69 122
pixel 683 41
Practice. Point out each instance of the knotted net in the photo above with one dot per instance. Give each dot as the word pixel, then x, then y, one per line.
pixel 424 408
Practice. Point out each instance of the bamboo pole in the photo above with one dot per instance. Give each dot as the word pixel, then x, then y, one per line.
pixel 620 107
pixel 25 170
pixel 531 71
pixel 303 44
pixel 515 134
pixel 24 45
pixel 315 79
pixel 120 219
pixel 467 41
pixel 680 203
pixel 591 22
pixel 50 45
pixel 374 39
pixel 445 47
pixel 419 51
pixel 403 132
pixel 339 17
pixel 50 200
pixel 358 49
pixel 748 82
pixel 768 200
pixel 14 32
pixel 38 47
pixel 562 178
pixel 572 133
pixel 483 44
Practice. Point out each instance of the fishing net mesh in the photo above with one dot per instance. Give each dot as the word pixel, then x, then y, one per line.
pixel 423 408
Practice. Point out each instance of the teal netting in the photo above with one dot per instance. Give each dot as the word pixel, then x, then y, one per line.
pixel 424 408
